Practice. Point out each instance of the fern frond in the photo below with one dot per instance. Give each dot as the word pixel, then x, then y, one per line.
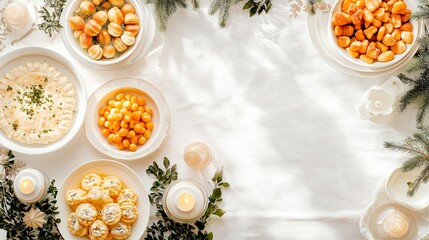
pixel 421 113
pixel 403 148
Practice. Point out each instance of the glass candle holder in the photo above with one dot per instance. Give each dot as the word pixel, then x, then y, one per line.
pixel 31 185
pixel 185 201
pixel 197 155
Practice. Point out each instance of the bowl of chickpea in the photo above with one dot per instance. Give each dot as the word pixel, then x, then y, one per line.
pixel 127 118
pixel 374 34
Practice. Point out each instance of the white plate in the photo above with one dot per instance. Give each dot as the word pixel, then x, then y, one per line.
pixel 132 55
pixel 105 167
pixel 318 29
pixel 154 99
pixel 379 65
pixel 21 56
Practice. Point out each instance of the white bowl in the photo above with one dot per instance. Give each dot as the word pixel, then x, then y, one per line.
pixel 73 46
pixel 21 56
pixel 396 189
pixel 375 65
pixel 154 99
pixel 105 167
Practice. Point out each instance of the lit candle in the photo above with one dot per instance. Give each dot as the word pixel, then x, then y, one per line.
pixel 185 201
pixel 31 185
pixel 27 185
pixel 197 155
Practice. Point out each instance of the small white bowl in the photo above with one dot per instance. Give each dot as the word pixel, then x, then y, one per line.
pixel 154 99
pixel 104 167
pixel 375 65
pixel 73 46
pixel 21 56
pixel 396 189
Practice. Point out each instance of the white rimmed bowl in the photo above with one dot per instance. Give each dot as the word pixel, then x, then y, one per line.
pixel 73 46
pixel 396 189
pixel 105 167
pixel 139 87
pixel 21 56
pixel 376 64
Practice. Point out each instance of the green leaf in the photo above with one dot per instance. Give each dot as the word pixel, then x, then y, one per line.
pixel 217 193
pixel 248 5
pixel 219 212
pixel 224 184
pixel 166 163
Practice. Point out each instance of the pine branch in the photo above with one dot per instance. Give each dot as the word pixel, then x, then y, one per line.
pixel 410 97
pixel 421 113
pixel 418 148
pixel 164 9
pixel 222 8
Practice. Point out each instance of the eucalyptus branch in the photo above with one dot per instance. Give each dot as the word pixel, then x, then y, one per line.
pixel 165 228
pixel 50 14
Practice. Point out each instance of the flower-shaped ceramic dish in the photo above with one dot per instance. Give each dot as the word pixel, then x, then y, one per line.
pixel 376 65
pixel 143 38
pixel 139 87
pixel 371 222
pixel 24 55
pixel 105 167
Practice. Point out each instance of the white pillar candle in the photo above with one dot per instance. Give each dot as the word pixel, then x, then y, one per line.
pixel 197 155
pixel 185 201
pixel 30 185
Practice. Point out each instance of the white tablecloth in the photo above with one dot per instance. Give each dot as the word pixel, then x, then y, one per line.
pixel 301 163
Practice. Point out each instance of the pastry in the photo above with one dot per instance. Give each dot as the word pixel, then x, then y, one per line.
pixel 98 231
pixel 113 184
pixel 121 231
pixel 75 227
pixel 129 212
pixel 86 214
pixel 99 196
pixel 111 214
pixel 76 196
pixel 91 180
pixel 127 195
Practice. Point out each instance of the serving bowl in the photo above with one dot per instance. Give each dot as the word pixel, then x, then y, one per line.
pixel 138 87
pixel 144 35
pixel 15 58
pixel 376 64
pixel 104 167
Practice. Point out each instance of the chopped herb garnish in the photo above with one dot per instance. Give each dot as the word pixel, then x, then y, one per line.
pixel 15 126
pixel 9 88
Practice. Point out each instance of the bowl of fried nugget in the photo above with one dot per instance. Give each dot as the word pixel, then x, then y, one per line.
pixel 373 33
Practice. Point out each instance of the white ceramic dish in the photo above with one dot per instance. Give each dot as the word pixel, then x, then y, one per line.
pixel 369 223
pixel 105 167
pixel 322 40
pixel 21 56
pixel 396 189
pixel 131 55
pixel 376 64
pixel 154 99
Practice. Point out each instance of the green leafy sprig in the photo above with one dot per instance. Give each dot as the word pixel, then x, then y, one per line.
pixel 12 210
pixel 419 85
pixel 50 14
pixel 165 228
pixel 257 6
pixel 417 146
